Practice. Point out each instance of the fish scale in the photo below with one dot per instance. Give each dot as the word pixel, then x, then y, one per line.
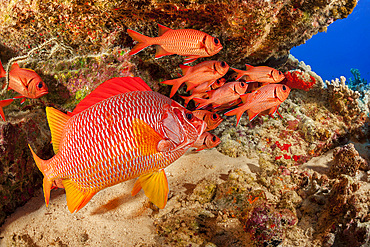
pixel 76 143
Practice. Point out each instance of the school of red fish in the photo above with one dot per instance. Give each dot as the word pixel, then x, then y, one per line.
pixel 124 130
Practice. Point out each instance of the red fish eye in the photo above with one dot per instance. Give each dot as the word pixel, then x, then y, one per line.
pixel 216 41
pixel 189 116
pixel 40 85
pixel 223 64
pixel 214 116
pixel 214 138
pixel 284 88
pixel 242 84
pixel 280 73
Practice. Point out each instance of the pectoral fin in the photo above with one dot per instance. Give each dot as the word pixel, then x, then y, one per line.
pixel 155 186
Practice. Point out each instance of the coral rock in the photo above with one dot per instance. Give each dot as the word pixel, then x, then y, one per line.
pixel 19 176
pixel 346 161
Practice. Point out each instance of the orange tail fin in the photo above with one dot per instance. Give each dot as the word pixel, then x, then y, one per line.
pixel 176 84
pixel 3 103
pixel 144 41
pixel 238 112
pixel 202 102
pixel 42 165
pixel 2 71
pixel 240 73
pixel 187 99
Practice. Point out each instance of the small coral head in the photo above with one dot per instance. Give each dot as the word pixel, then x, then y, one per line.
pixel 299 80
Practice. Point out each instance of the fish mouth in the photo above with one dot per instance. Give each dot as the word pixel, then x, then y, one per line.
pixel 42 94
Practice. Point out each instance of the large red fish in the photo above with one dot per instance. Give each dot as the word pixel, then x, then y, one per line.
pixel 117 134
pixel 203 73
pixel 186 42
pixel 24 81
pixel 267 97
pixel 262 74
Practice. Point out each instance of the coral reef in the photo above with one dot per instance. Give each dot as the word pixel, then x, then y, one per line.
pixel 282 203
pixel 347 161
pixel 253 30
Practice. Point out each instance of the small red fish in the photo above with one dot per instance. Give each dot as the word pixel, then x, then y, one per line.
pixel 4 103
pixel 185 42
pixel 204 87
pixel 262 74
pixel 118 133
pixel 24 81
pixel 267 97
pixel 206 72
pixel 206 141
pixel 212 119
pixel 229 92
pixel 200 91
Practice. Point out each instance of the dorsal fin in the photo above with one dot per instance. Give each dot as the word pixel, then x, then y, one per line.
pixel 249 66
pixel 114 86
pixel 57 121
pixel 162 29
pixel 15 66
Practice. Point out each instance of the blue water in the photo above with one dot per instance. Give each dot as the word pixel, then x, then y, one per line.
pixel 345 45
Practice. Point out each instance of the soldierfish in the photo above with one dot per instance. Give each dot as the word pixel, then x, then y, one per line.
pixel 206 72
pixel 186 42
pixel 212 119
pixel 229 92
pixel 262 74
pixel 200 91
pixel 267 97
pixel 24 81
pixel 122 134
pixel 205 141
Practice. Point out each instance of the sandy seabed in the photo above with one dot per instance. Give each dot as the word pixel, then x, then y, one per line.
pixel 113 217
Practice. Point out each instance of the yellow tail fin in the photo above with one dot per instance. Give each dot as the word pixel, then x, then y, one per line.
pixel 42 165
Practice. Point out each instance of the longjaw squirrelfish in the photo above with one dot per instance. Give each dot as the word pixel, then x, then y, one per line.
pixel 122 130
pixel 186 42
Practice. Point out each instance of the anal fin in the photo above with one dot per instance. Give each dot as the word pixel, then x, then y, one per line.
pixel 160 52
pixel 155 186
pixel 76 199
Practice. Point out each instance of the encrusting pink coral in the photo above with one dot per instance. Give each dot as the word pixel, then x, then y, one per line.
pixel 299 80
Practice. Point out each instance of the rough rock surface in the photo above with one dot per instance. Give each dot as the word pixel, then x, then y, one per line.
pixel 19 176
pixel 251 31
pixel 347 161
